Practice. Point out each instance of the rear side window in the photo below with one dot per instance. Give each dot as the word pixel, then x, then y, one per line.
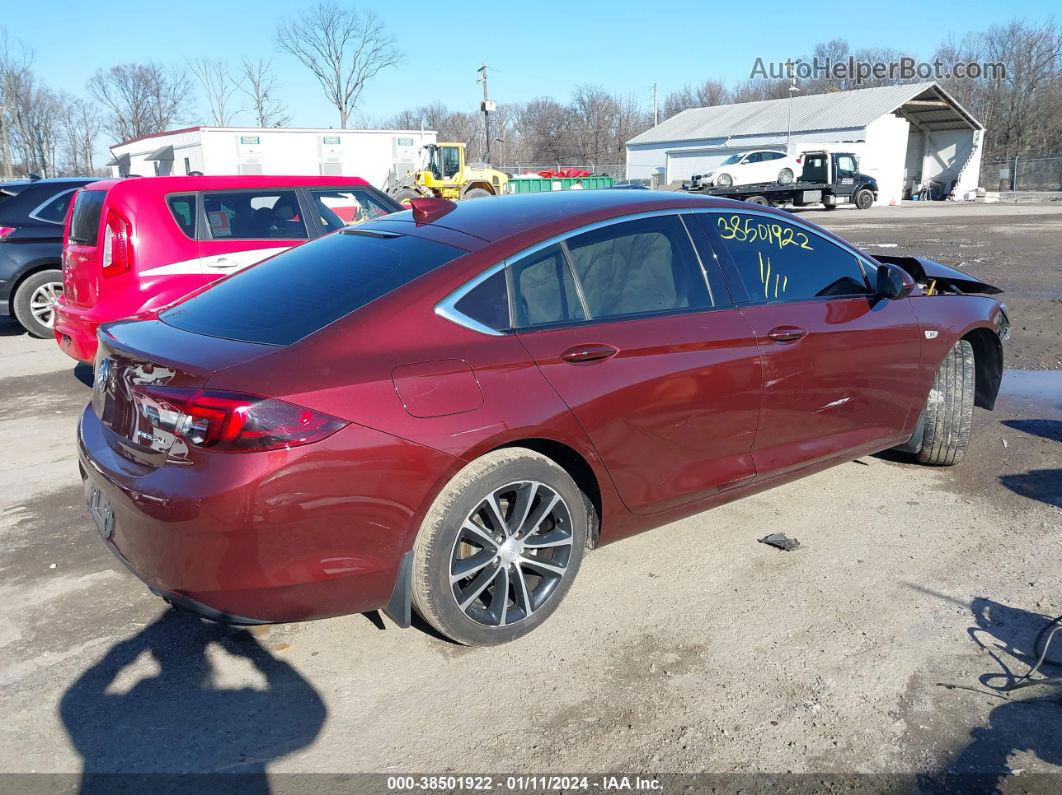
pixel 182 208
pixel 778 261
pixel 302 290
pixel 85 221
pixel 254 215
pixel 54 210
pixel 638 267
pixel 339 208
pixel 544 290
pixel 487 303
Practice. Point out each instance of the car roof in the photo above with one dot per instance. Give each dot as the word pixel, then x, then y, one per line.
pixel 164 185
pixel 492 219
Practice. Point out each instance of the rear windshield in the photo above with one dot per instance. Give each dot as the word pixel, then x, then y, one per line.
pixel 85 222
pixel 304 289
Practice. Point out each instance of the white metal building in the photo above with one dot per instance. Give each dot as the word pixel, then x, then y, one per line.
pixel 374 155
pixel 905 136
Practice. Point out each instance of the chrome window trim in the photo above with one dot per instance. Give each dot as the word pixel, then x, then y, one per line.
pixel 446 308
pixel 45 203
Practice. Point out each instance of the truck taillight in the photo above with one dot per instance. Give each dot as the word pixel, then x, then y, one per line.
pixel 230 421
pixel 117 248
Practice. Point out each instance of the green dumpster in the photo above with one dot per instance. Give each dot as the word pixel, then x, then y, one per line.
pixel 547 184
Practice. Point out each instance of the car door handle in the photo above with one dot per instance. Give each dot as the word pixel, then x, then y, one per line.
pixel 594 352
pixel 224 262
pixel 786 334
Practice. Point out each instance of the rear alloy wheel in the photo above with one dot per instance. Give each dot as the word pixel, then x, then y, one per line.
pixel 949 410
pixel 864 199
pixel 785 176
pixel 35 302
pixel 724 181
pixel 499 548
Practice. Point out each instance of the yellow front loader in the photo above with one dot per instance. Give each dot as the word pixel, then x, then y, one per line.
pixel 447 176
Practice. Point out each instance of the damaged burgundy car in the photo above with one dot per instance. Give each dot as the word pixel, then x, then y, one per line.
pixel 442 409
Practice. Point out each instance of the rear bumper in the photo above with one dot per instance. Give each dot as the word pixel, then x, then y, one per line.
pixel 75 332
pixel 306 533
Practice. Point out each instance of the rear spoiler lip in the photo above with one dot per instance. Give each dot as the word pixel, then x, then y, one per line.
pixel 923 269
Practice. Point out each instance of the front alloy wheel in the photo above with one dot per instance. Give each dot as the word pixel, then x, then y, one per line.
pixel 499 547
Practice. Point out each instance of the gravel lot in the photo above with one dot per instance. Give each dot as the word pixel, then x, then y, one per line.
pixel 878 647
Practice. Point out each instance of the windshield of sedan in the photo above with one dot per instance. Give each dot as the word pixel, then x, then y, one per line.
pixel 302 290
pixel 733 159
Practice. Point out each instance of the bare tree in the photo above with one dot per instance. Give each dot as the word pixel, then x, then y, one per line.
pixel 15 63
pixel 140 99
pixel 219 86
pixel 343 47
pixel 81 126
pixel 258 82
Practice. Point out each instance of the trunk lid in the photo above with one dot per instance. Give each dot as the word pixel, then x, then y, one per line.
pixel 149 353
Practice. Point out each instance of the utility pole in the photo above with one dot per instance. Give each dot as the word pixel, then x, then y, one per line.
pixel 789 124
pixel 487 106
pixel 656 115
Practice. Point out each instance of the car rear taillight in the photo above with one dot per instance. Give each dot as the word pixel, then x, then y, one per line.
pixel 230 421
pixel 5 232
pixel 117 247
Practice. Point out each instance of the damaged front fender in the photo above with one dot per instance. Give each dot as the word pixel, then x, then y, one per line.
pixel 940 278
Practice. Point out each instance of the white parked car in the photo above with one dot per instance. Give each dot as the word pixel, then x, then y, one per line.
pixel 752 168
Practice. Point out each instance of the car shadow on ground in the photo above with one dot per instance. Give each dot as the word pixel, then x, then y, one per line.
pixel 9 327
pixel 1044 485
pixel 1047 429
pixel 164 723
pixel 1028 719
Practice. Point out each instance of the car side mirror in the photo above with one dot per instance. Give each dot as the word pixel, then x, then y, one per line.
pixel 893 282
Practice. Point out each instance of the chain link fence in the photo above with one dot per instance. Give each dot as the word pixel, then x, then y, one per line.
pixel 1033 172
pixel 617 171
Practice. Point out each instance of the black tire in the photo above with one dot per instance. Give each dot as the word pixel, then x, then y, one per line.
pixel 444 543
pixel 785 176
pixel 27 306
pixel 723 181
pixel 863 199
pixel 476 193
pixel 403 195
pixel 760 200
pixel 949 409
pixel 829 206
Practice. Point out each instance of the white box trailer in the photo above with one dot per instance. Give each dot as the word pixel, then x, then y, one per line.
pixel 378 156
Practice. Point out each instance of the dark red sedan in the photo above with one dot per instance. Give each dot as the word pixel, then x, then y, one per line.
pixel 440 410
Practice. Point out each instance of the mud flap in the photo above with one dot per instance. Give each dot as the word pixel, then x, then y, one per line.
pixel 914 444
pixel 400 607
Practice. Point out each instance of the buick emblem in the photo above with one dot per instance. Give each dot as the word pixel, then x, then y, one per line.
pixel 103 375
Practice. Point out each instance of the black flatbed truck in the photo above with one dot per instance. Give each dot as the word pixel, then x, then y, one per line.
pixel 831 179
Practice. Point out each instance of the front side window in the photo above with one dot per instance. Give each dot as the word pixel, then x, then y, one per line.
pixel 339 208
pixel 846 166
pixel 544 290
pixel 732 160
pixel 755 157
pixel 451 162
pixel 779 261
pixel 638 267
pixel 254 215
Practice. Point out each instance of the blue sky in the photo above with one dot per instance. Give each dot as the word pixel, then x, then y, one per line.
pixel 533 48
